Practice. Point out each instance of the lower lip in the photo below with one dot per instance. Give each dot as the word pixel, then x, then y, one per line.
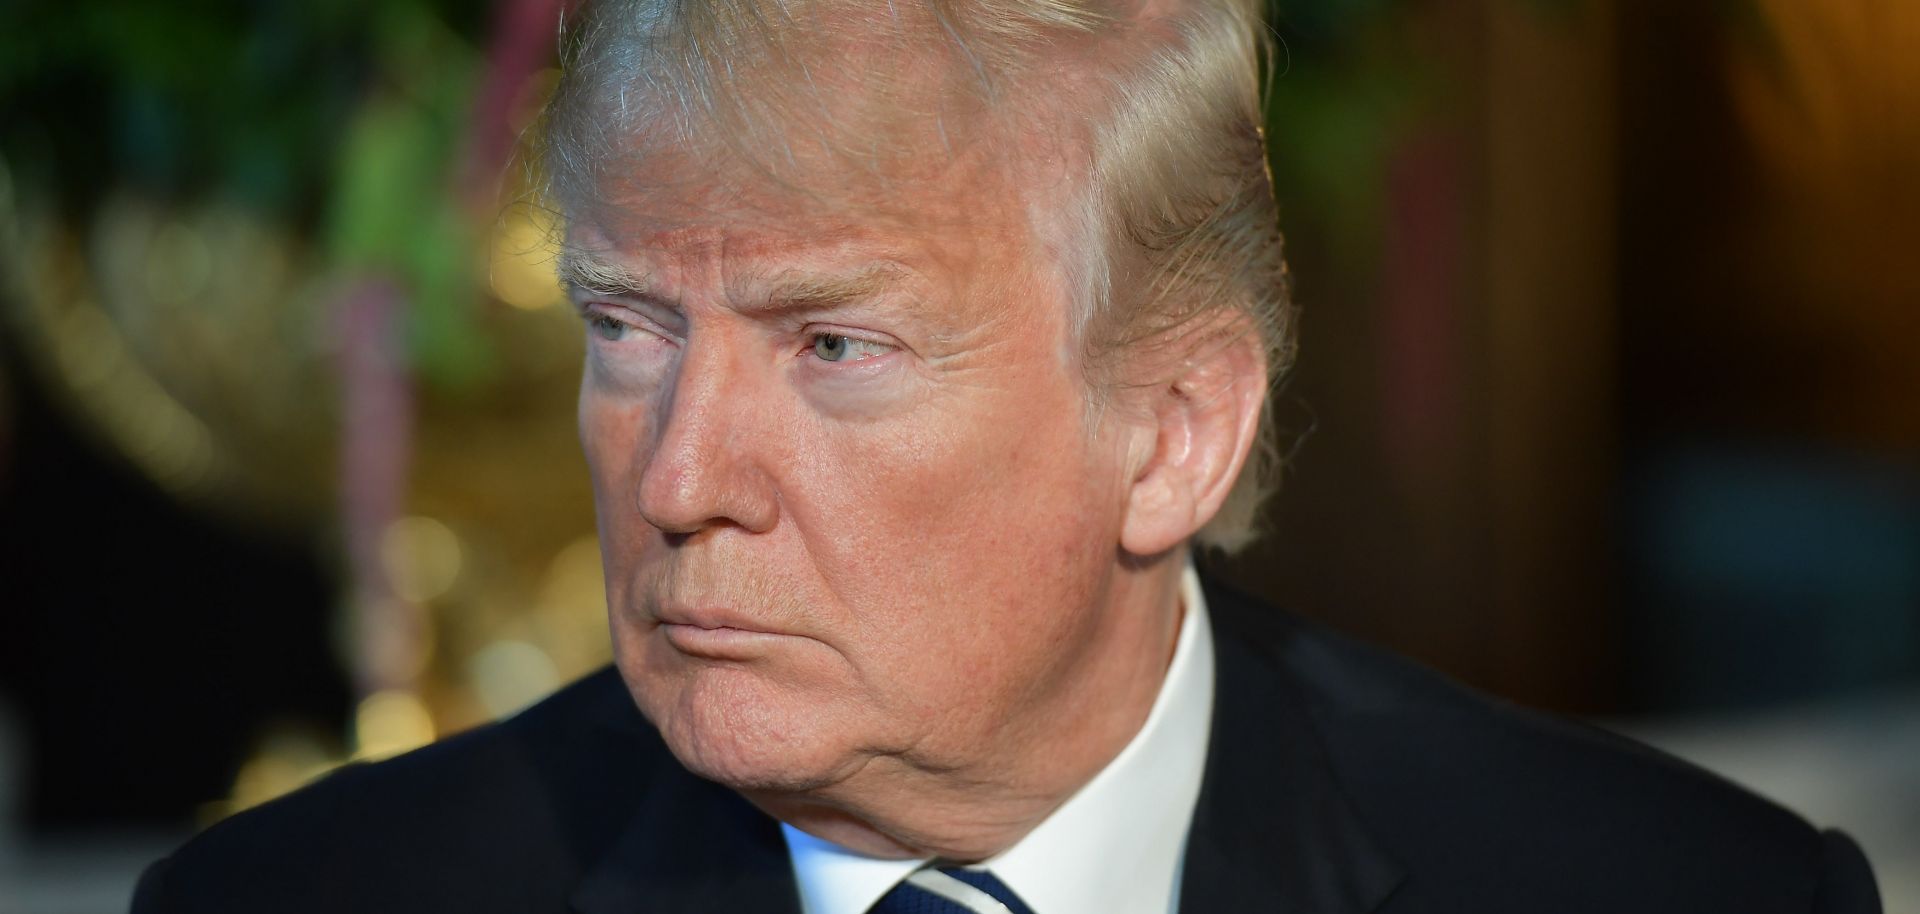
pixel 719 643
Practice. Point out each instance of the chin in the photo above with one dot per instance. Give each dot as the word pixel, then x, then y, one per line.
pixel 733 727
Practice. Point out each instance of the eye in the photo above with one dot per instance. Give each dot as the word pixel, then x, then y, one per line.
pixel 833 347
pixel 607 327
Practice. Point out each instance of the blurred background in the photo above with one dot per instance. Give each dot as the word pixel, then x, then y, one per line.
pixel 1608 398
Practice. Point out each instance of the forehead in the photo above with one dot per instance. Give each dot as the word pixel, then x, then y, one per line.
pixel 764 271
pixel 950 215
pixel 927 177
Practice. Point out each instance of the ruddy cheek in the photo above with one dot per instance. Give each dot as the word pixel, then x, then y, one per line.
pixel 619 404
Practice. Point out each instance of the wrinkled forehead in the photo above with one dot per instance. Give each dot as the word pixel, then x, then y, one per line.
pixel 944 239
pixel 969 208
pixel 676 186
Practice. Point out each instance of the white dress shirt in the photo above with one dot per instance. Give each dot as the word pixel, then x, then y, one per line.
pixel 1114 847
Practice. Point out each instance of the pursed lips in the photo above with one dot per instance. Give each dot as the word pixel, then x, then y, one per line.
pixel 717 634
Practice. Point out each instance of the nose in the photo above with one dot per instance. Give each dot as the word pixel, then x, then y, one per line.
pixel 702 471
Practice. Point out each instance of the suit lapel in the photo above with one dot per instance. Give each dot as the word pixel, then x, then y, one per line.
pixel 692 847
pixel 1273 830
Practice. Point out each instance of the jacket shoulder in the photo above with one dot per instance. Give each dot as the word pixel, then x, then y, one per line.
pixel 1496 807
pixel 498 818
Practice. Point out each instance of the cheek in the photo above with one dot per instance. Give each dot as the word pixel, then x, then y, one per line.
pixel 967 561
pixel 975 500
pixel 616 435
pixel 608 431
pixel 621 387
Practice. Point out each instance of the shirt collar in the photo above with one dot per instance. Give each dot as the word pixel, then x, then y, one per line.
pixel 1131 818
pixel 834 880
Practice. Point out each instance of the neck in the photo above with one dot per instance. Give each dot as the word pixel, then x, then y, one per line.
pixel 972 808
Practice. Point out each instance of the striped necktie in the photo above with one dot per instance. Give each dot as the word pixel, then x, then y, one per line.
pixel 950 890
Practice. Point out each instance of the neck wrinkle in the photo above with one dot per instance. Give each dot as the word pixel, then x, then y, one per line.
pixel 857 817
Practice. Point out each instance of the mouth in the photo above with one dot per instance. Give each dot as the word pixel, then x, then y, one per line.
pixel 717 632
pixel 723 642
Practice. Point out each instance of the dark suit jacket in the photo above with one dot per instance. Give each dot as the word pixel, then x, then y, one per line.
pixel 1339 779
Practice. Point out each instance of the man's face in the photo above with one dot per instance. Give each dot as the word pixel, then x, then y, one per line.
pixel 853 506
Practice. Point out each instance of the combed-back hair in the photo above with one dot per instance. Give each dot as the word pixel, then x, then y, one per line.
pixel 1173 232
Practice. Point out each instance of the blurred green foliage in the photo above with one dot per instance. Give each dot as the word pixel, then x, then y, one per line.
pixel 343 121
pixel 1344 91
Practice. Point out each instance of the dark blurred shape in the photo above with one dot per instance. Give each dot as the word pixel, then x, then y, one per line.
pixel 1611 343
pixel 1447 174
pixel 293 479
pixel 1766 577
pixel 1771 335
pixel 144 647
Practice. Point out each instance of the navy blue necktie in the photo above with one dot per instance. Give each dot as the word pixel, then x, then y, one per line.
pixel 951 890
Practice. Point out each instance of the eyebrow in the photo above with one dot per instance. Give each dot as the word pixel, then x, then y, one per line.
pixel 797 291
pixel 786 292
pixel 591 274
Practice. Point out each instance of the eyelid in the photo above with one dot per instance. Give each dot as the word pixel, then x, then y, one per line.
pixel 815 331
pixel 629 316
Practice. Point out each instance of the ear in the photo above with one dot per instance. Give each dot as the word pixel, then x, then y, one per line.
pixel 1205 419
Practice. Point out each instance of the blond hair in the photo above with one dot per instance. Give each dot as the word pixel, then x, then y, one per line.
pixel 1176 184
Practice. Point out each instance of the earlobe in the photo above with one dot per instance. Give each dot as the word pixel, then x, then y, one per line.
pixel 1160 503
pixel 1205 422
